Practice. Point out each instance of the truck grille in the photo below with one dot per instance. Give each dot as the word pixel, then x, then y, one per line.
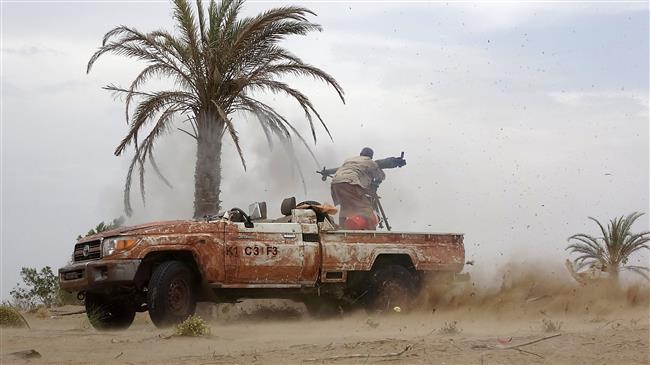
pixel 87 251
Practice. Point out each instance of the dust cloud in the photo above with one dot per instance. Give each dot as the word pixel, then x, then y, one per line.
pixel 522 293
pixel 534 291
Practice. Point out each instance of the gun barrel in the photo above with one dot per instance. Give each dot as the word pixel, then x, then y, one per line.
pixel 329 172
pixel 391 162
pixel 384 163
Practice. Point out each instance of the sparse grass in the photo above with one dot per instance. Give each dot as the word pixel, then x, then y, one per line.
pixel 10 317
pixel 193 326
pixel 84 324
pixel 92 316
pixel 41 312
pixel 549 325
pixel 450 328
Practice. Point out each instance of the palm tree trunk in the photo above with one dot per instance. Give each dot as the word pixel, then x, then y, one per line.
pixel 207 172
pixel 613 272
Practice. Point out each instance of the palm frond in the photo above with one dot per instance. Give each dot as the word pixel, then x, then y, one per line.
pixel 200 14
pixel 641 270
pixel 276 122
pixel 149 108
pixel 144 150
pixel 614 248
pixel 300 69
pixel 303 101
pixel 186 23
pixel 232 132
pixel 586 241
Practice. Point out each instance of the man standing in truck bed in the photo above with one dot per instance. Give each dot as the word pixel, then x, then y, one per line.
pixel 352 187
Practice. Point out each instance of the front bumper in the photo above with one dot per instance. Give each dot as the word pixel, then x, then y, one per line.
pixel 94 274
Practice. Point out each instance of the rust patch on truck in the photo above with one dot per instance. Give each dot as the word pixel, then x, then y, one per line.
pixel 357 251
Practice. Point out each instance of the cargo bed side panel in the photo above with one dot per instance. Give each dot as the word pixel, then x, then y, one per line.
pixel 357 250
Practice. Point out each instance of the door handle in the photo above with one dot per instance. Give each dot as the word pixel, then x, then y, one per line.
pixel 288 235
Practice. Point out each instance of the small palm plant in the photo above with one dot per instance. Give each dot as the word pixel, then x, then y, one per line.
pixel 612 251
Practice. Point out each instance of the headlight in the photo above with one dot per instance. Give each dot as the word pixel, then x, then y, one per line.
pixel 116 244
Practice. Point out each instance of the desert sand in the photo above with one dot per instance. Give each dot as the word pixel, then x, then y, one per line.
pixel 461 325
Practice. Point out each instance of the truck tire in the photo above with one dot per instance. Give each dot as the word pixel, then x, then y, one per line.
pixel 171 295
pixel 392 288
pixel 105 314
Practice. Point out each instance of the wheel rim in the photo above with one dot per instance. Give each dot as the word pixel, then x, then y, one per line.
pixel 179 297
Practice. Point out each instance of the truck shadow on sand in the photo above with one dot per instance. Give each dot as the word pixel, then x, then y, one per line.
pixel 253 311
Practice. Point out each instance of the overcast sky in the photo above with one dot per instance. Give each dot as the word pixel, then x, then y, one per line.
pixel 518 121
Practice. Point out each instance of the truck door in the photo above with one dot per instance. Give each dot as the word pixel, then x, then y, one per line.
pixel 268 253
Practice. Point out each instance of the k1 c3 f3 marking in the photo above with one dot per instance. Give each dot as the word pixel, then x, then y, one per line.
pixel 252 251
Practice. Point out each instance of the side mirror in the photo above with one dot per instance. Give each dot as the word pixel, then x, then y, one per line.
pixel 257 211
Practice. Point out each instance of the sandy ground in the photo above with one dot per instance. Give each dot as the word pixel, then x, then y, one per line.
pixel 597 326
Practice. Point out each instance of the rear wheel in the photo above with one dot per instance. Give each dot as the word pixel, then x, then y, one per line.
pixel 171 297
pixel 106 314
pixel 392 288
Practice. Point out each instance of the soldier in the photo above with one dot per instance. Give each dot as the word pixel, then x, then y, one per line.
pixel 354 184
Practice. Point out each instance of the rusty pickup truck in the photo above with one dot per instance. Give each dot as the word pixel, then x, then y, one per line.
pixel 165 268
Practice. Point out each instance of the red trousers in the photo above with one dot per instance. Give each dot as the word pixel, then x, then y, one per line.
pixel 354 200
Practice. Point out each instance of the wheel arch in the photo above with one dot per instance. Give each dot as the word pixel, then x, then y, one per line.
pixel 155 257
pixel 403 258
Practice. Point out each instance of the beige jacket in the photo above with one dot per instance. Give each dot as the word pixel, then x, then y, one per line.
pixel 359 170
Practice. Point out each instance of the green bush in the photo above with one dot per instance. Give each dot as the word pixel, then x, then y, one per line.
pixel 10 317
pixel 40 288
pixel 193 326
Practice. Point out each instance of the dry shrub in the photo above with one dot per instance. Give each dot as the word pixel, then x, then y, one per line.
pixel 549 325
pixel 450 328
pixel 193 326
pixel 10 317
pixel 42 312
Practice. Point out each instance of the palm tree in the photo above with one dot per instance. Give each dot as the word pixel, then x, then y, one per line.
pixel 218 63
pixel 611 252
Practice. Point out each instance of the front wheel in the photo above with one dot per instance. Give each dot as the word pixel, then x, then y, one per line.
pixel 106 314
pixel 171 297
pixel 392 288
